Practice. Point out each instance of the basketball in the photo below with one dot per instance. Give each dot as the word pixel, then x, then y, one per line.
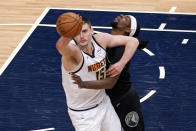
pixel 69 24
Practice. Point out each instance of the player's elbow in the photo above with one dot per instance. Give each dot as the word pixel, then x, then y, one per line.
pixel 58 47
pixel 136 42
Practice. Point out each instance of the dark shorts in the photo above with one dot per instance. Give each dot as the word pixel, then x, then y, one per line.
pixel 129 111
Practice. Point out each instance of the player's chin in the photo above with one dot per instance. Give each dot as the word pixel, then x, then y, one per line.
pixel 83 43
pixel 113 24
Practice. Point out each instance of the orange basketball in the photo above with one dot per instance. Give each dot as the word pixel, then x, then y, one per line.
pixel 69 24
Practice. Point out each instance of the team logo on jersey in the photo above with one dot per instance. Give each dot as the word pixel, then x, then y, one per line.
pixel 132 119
pixel 97 65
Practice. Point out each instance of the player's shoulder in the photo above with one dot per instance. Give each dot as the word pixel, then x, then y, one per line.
pixel 101 35
pixel 102 39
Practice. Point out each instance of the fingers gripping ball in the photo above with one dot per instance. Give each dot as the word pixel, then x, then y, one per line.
pixel 69 24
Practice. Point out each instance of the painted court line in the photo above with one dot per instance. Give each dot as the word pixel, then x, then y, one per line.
pixel 102 27
pixel 145 29
pixel 148 52
pixel 162 26
pixel 47 25
pixel 23 41
pixel 185 41
pixel 172 10
pixel 169 30
pixel 123 11
pixel 162 72
pixel 47 129
pixel 97 31
pixel 147 96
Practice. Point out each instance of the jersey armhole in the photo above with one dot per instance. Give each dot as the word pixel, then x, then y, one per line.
pixel 78 67
pixel 98 43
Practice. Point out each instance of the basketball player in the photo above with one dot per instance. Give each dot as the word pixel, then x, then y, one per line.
pixel 128 26
pixel 89 109
pixel 123 96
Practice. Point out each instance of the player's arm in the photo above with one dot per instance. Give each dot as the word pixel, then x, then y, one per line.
pixel 107 83
pixel 64 46
pixel 70 52
pixel 130 44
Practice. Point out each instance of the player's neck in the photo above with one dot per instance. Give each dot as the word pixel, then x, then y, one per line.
pixel 87 48
pixel 118 32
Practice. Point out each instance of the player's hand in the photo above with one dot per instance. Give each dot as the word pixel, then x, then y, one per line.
pixel 115 69
pixel 77 80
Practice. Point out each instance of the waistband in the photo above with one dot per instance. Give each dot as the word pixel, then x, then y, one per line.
pixel 84 109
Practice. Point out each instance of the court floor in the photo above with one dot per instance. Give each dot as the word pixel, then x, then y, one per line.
pixel 32 97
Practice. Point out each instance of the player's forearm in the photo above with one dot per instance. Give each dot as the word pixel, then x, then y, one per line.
pixel 107 83
pixel 130 49
pixel 61 44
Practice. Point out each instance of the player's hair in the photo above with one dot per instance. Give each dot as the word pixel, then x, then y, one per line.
pixel 115 27
pixel 86 21
pixel 114 24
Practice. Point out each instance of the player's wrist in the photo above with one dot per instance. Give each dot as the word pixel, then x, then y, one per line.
pixel 123 62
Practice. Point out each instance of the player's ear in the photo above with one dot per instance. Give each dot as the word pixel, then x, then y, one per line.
pixel 92 30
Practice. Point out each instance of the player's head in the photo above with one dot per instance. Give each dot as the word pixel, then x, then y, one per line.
pixel 121 25
pixel 85 36
pixel 86 21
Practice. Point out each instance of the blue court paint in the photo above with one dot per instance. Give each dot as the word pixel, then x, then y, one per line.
pixel 31 93
pixel 147 20
pixel 32 97
pixel 172 105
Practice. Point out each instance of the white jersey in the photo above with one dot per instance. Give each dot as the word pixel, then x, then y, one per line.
pixel 92 67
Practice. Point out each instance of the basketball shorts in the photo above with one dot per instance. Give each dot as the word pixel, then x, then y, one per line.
pixel 101 118
pixel 129 111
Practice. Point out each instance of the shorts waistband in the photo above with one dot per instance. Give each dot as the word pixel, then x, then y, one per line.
pixel 84 109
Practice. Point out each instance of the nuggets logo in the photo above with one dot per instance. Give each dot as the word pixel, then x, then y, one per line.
pixel 96 66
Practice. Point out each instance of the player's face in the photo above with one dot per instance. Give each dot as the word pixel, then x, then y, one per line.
pixel 85 36
pixel 121 25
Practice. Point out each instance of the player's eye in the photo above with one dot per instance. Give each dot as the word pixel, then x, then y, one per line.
pixel 84 31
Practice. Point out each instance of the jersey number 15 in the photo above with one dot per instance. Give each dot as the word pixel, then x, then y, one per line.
pixel 101 74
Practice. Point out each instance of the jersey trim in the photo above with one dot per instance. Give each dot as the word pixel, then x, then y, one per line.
pixel 75 41
pixel 79 66
pixel 107 58
pixel 84 109
pixel 97 42
pixel 93 52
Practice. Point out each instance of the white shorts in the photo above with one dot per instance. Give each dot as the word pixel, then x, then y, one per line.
pixel 101 118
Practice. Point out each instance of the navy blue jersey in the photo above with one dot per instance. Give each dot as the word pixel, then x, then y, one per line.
pixel 124 83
